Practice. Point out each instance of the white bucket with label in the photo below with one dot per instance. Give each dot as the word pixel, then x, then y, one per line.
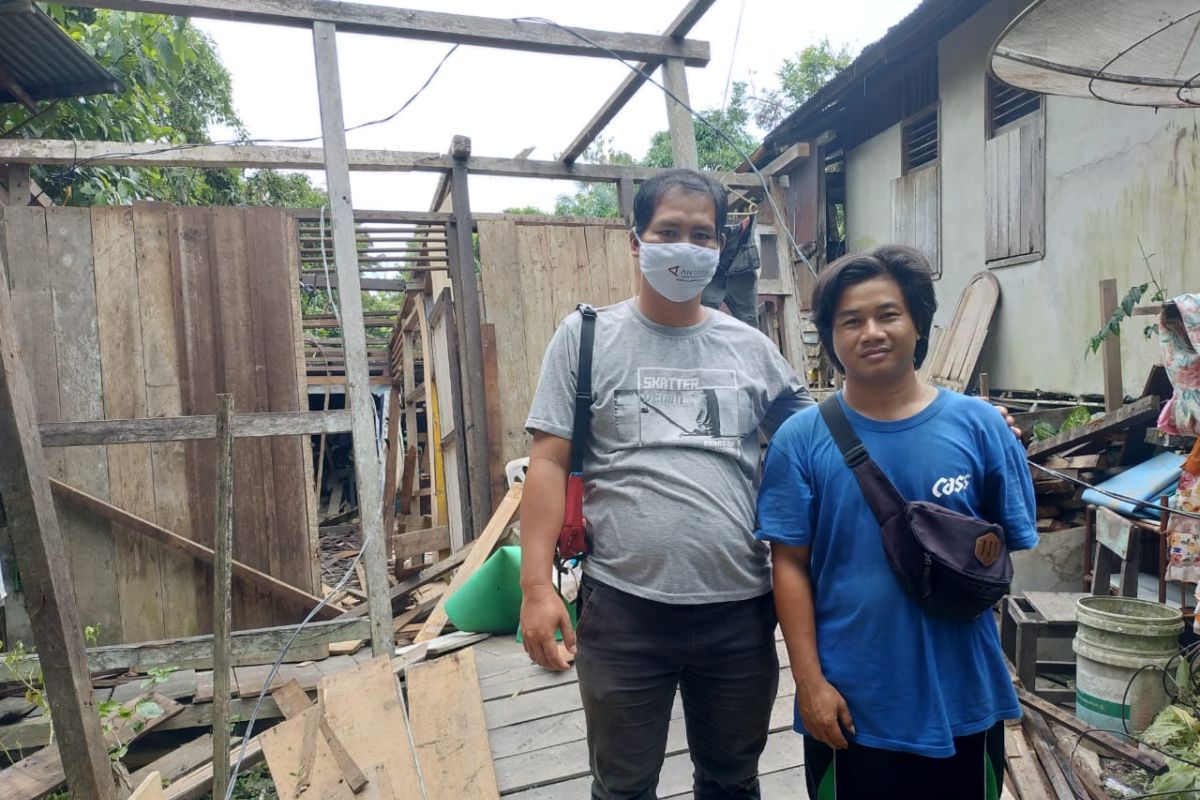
pixel 1117 637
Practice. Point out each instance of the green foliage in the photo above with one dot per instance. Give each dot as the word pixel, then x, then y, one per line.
pixel 529 211
pixel 1042 430
pixel 173 89
pixel 595 199
pixel 1079 416
pixel 1177 731
pixel 799 79
pixel 1112 326
pixel 714 151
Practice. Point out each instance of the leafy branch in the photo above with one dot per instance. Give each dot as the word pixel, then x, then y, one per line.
pixel 1124 310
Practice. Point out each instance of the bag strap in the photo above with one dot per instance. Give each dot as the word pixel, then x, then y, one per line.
pixel 881 494
pixel 583 387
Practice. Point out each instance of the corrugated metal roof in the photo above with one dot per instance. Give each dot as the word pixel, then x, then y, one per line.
pixel 43 60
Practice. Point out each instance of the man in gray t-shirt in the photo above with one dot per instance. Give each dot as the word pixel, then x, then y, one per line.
pixel 676 592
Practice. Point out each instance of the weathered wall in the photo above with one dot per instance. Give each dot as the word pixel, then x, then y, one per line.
pixel 1113 175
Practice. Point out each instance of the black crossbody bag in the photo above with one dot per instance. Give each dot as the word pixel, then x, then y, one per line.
pixel 953 565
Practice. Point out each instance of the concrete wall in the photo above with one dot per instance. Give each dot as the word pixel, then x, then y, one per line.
pixel 1113 175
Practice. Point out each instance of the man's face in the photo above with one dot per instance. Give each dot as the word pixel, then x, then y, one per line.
pixel 873 333
pixel 681 216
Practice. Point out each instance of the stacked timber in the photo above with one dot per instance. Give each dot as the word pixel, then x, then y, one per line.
pixel 1060 503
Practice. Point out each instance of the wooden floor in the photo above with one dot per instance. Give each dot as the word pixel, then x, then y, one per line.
pixel 536 729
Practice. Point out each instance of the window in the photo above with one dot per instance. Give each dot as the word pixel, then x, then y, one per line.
pixel 920 139
pixel 1014 176
pixel 1007 105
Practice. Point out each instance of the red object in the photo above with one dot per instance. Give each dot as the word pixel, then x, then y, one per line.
pixel 572 539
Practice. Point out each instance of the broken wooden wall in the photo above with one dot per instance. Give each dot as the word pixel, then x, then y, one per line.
pixel 150 311
pixel 533 273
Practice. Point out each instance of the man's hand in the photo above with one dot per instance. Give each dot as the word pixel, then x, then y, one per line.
pixel 1008 420
pixel 542 613
pixel 822 707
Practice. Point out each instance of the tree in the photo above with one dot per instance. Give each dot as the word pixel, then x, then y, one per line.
pixel 595 199
pixel 174 88
pixel 715 151
pixel 799 79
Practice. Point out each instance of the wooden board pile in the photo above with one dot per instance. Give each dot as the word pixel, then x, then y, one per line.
pixel 1060 503
pixel 1052 755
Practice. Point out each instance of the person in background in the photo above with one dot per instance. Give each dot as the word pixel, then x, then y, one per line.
pixel 736 280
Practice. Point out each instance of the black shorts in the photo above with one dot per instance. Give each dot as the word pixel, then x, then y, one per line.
pixel 974 772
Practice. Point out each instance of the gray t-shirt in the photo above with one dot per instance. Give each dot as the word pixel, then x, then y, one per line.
pixel 671 470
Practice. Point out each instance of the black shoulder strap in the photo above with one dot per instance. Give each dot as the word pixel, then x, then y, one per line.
pixel 881 494
pixel 583 387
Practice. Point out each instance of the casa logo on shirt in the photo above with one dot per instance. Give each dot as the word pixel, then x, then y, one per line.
pixel 944 487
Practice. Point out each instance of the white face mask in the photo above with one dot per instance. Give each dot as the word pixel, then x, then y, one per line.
pixel 678 271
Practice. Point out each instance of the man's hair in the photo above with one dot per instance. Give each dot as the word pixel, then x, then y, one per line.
pixel 651 192
pixel 907 267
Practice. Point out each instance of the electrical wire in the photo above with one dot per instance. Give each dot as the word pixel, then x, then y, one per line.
pixel 695 115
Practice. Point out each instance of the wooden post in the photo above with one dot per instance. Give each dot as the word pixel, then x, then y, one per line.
pixel 679 119
pixel 1110 350
pixel 625 193
pixel 469 326
pixel 18 185
pixel 222 594
pixel 391 476
pixel 985 386
pixel 358 386
pixel 42 554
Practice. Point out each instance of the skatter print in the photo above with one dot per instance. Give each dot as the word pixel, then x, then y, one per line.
pixel 680 407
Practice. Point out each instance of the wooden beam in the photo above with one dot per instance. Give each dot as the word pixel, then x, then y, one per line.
pixel 425 576
pixel 625 195
pixel 787 159
pixel 1110 350
pixel 1141 411
pixel 358 379
pixel 132 522
pixel 222 648
pixel 480 550
pixel 9 84
pixel 42 553
pixel 121 154
pixel 249 648
pixel 680 26
pixel 431 26
pixel 679 120
pixel 182 429
pixel 19 185
pixel 391 477
pixel 468 327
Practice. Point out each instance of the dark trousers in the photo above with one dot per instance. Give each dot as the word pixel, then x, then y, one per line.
pixel 632 655
pixel 974 772
pixel 739 292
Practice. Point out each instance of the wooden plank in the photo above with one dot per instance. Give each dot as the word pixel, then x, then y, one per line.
pixel 249 647
pixel 361 702
pixel 291 699
pixel 1110 350
pixel 480 551
pixel 1023 766
pixel 150 788
pixel 181 577
pixel 199 552
pixel 680 26
pixel 431 540
pixel 118 430
pixel 198 784
pixel 1139 412
pixel 679 118
pixel 126 154
pixel 1037 735
pixel 29 507
pixel 18 184
pixel 508 34
pixel 410 585
pixel 392 465
pixel 42 773
pixel 362 405
pixel 90 546
pixel 448 728
pixel 179 761
pixel 293 769
pixel 131 473
pixel 222 647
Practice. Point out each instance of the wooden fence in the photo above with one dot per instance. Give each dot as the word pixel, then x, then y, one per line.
pixel 151 311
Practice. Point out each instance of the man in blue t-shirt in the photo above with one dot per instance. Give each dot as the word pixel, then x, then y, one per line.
pixel 892 702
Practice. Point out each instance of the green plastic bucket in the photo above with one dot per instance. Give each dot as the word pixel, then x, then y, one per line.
pixel 1117 637
pixel 490 600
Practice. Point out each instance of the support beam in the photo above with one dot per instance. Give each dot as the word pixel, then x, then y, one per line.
pixel 625 194
pixel 358 379
pixel 431 26
pixel 213 156
pixel 680 26
pixel 222 647
pixel 1110 350
pixel 183 429
pixel 469 327
pixel 42 554
pixel 679 119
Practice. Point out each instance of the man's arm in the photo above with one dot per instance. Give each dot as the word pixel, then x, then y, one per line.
pixel 543 504
pixel 821 706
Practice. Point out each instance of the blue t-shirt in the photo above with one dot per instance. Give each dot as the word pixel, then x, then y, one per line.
pixel 912 682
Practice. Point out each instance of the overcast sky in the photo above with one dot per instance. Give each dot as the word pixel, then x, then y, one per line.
pixel 507 101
